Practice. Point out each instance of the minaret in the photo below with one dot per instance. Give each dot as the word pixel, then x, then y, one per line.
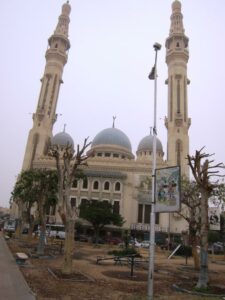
pixel 177 121
pixel 45 116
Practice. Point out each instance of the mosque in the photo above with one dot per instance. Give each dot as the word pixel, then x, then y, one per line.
pixel 114 173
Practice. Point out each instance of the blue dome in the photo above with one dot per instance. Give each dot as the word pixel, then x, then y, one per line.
pixel 112 136
pixel 146 144
pixel 62 139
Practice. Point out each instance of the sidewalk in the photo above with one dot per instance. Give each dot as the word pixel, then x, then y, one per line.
pixel 12 283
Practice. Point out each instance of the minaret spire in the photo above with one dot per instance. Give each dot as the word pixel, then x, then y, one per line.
pixel 63 22
pixel 177 121
pixel 176 19
pixel 45 116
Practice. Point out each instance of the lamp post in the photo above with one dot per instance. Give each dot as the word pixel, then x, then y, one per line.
pixel 153 76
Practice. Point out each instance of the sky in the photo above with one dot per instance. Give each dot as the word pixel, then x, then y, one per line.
pixel 107 71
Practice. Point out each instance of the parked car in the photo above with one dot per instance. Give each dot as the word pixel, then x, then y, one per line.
pixel 98 241
pixel 145 244
pixel 56 231
pixel 25 230
pixel 52 230
pixel 169 246
pixel 135 243
pixel 113 241
pixel 216 248
pixel 9 226
pixel 81 238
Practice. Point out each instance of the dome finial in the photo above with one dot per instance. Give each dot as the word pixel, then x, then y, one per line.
pixel 114 118
pixel 150 130
pixel 64 128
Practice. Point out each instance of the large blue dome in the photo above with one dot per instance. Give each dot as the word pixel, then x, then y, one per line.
pixel 112 136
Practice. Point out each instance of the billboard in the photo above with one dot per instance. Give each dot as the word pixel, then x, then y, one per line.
pixel 167 189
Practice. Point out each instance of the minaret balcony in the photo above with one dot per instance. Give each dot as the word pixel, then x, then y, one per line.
pixel 55 54
pixel 59 37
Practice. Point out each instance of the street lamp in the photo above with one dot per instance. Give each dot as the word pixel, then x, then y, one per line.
pixel 153 76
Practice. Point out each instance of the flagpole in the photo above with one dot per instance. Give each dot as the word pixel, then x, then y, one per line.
pixel 153 75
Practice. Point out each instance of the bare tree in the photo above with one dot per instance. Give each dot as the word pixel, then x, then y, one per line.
pixel 203 170
pixel 191 213
pixel 68 162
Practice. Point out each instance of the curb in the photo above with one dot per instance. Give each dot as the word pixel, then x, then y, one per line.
pixel 179 289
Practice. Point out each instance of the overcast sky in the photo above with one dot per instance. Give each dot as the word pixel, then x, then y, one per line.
pixel 107 72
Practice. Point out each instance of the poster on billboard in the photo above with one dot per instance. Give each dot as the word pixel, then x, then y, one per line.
pixel 167 189
pixel 214 218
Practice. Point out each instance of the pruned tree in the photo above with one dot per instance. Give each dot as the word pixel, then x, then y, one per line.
pixel 68 163
pixel 24 196
pixel 190 197
pixel 99 214
pixel 204 170
pixel 46 182
pixel 36 187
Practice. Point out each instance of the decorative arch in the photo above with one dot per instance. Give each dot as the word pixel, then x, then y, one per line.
pixel 117 186
pixel 96 185
pixel 106 185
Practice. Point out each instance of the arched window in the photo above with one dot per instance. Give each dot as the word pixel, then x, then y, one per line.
pixel 85 184
pixel 96 185
pixel 74 185
pixel 106 185
pixel 73 201
pixel 117 186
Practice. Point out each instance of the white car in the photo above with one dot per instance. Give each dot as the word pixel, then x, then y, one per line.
pixel 55 230
pixel 135 243
pixel 145 244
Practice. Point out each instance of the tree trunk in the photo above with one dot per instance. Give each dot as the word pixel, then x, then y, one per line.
pixel 195 254
pixel 196 257
pixel 41 241
pixel 67 267
pixel 42 238
pixel 203 274
pixel 31 227
pixel 18 232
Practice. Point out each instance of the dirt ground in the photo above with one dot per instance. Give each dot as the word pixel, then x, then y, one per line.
pixel 107 280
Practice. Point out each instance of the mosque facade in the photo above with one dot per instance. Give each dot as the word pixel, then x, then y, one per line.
pixel 114 173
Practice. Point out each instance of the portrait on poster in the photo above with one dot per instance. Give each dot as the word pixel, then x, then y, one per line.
pixel 214 218
pixel 167 189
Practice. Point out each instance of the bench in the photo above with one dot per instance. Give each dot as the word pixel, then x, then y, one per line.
pixel 119 260
pixel 100 258
pixel 21 258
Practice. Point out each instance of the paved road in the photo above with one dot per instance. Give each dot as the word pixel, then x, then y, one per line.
pixel 12 283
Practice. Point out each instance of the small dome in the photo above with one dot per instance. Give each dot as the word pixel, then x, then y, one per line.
pixel 62 139
pixel 146 144
pixel 112 136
